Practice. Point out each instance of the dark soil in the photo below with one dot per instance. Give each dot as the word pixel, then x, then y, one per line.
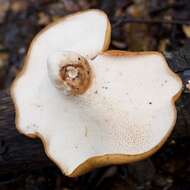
pixel 161 25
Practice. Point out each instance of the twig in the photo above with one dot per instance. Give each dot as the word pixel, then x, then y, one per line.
pixel 122 20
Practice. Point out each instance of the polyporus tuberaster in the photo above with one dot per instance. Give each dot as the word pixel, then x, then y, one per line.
pixel 89 106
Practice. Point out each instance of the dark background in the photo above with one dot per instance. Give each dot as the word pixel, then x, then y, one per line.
pixel 137 25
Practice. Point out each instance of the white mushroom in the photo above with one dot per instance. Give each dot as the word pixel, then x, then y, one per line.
pixel 90 108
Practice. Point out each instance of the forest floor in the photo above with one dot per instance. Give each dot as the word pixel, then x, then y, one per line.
pixel 137 25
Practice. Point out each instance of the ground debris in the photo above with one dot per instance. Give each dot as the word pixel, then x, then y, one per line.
pixel 136 25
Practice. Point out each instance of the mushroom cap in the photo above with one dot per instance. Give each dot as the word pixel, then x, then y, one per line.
pixel 126 114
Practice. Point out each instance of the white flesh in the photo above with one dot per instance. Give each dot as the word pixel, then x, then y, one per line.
pixel 127 110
